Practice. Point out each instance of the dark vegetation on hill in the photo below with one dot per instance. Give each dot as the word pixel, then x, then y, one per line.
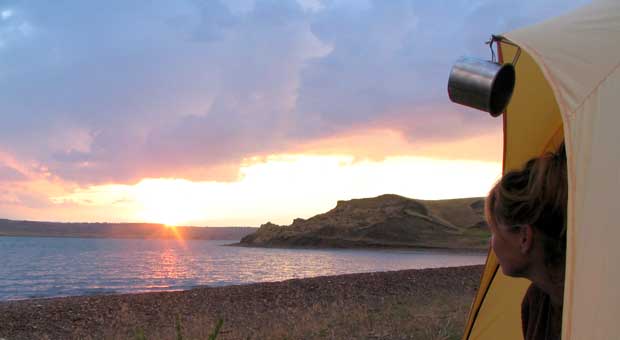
pixel 119 230
pixel 384 221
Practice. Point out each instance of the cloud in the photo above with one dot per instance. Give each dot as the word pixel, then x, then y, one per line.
pixel 118 91
pixel 8 174
pixel 391 60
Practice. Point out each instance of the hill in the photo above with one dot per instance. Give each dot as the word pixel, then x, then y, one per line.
pixel 119 230
pixel 384 221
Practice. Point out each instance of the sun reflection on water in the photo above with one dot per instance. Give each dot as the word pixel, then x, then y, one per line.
pixel 170 266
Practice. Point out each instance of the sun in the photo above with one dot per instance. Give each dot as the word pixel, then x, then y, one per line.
pixel 172 202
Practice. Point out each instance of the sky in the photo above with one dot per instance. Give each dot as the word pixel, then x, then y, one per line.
pixel 240 112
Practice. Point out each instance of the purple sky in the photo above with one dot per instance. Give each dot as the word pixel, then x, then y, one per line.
pixel 120 90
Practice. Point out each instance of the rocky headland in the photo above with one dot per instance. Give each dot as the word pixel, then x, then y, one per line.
pixel 384 221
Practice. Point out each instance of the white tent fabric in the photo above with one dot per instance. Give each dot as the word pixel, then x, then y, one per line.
pixel 579 55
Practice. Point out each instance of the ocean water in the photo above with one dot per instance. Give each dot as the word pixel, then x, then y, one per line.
pixel 37 267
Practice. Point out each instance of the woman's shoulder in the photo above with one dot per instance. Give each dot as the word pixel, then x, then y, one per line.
pixel 533 292
pixel 537 317
pixel 533 300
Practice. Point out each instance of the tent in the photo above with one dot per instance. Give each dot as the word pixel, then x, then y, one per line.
pixel 567 86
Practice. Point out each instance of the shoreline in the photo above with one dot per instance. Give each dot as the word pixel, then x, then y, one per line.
pixel 116 237
pixel 405 304
pixel 480 251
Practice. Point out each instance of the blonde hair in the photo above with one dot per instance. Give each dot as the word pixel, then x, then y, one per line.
pixel 536 195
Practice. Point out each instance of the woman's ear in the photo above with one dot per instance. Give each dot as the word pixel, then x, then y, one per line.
pixel 527 238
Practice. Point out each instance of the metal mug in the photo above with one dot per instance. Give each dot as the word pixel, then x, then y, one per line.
pixel 481 84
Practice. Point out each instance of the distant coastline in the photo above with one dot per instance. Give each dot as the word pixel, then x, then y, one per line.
pixel 13 228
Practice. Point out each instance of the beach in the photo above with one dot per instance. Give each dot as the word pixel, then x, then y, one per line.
pixel 405 304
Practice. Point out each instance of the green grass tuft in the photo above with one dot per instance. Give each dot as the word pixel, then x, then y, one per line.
pixel 217 329
pixel 177 326
pixel 139 334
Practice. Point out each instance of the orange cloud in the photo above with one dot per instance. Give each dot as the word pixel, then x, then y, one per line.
pixel 377 144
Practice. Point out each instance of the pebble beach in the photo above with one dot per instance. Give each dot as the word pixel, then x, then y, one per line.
pixel 406 304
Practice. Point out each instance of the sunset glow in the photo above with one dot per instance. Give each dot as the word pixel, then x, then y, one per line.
pixel 280 188
pixel 168 201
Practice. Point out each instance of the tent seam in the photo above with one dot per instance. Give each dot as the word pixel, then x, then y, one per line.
pixel 568 299
pixel 555 87
pixel 545 70
pixel 582 103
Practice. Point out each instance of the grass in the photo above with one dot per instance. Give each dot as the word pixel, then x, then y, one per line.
pixel 394 320
pixel 139 334
pixel 217 329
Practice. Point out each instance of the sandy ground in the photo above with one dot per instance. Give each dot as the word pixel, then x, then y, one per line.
pixel 407 304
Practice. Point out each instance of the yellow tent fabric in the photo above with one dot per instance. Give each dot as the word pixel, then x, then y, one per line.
pixel 568 85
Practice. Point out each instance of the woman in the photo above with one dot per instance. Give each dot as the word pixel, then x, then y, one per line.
pixel 526 212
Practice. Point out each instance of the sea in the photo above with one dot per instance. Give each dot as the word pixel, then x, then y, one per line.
pixel 41 267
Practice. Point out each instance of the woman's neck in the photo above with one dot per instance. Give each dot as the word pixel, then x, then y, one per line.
pixel 551 281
